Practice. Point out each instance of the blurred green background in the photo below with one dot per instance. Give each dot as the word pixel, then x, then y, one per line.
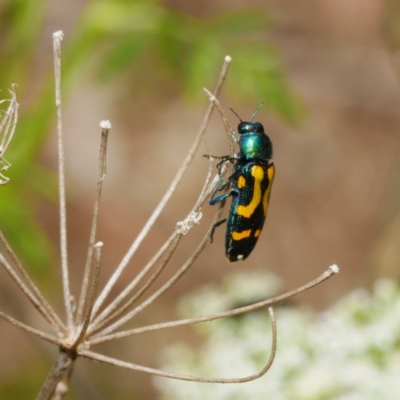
pixel 328 73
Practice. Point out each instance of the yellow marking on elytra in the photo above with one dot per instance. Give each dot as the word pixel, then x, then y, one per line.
pixel 271 174
pixel 257 233
pixel 241 235
pixel 247 211
pixel 241 182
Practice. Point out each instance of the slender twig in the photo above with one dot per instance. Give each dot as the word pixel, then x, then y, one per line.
pixel 228 129
pixel 39 300
pixel 121 310
pixel 105 125
pixel 57 38
pixel 237 311
pixel 166 285
pixel 97 248
pixel 38 304
pixel 117 301
pixel 123 364
pixel 110 284
pixel 207 187
pixel 36 332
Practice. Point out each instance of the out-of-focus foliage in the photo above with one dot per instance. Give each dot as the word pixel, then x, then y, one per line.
pixel 16 388
pixel 137 40
pixel 392 27
pixel 351 351
pixel 143 35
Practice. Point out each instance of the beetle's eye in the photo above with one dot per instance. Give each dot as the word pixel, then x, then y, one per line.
pixel 258 127
pixel 244 127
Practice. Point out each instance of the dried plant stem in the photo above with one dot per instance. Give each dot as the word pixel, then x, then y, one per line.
pixel 113 361
pixel 63 363
pixel 24 289
pixel 57 38
pixel 110 284
pixel 207 187
pixel 165 287
pixel 121 310
pixel 117 301
pixel 27 328
pixel 105 338
pixel 81 337
pixel 100 179
pixel 30 289
pixel 228 129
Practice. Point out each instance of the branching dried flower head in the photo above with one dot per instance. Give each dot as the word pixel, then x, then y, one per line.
pixel 93 322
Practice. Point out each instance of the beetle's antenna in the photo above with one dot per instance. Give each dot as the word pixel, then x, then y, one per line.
pixel 240 119
pixel 255 112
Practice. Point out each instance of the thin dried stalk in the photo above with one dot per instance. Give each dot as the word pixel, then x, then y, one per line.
pixel 157 372
pixel 237 311
pixel 48 316
pixel 114 305
pixel 57 38
pixel 165 287
pixel 27 328
pixel 35 297
pixel 228 130
pixel 121 310
pixel 81 337
pixel 105 125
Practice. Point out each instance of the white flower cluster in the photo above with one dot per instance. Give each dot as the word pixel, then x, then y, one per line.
pixel 349 352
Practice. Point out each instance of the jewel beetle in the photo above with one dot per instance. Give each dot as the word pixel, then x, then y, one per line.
pixel 250 189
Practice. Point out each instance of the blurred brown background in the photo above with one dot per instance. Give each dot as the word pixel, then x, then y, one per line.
pixel 334 199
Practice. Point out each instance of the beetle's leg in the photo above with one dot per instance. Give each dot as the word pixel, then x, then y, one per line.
pixel 223 158
pixel 216 225
pixel 218 199
pixel 221 185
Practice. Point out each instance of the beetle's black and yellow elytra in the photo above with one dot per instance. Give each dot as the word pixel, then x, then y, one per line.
pixel 250 189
